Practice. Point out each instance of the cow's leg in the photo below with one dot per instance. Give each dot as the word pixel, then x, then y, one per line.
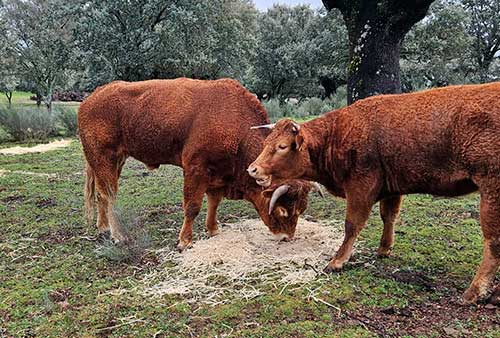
pixel 361 193
pixel 490 225
pixel 389 211
pixel 213 200
pixel 358 211
pixel 195 186
pixel 107 173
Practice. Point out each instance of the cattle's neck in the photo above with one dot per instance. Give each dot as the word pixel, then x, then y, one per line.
pixel 244 186
pixel 320 135
pixel 255 197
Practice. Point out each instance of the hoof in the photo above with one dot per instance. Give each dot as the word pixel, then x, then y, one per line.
pixel 104 236
pixel 181 246
pixel 494 299
pixel 122 239
pixel 331 268
pixel 384 252
pixel 212 233
pixel 473 295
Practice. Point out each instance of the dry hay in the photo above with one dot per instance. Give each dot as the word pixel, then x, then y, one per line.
pixel 243 261
pixel 39 148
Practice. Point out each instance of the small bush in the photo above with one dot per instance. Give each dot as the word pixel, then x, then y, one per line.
pixel 272 107
pixel 68 118
pixel 132 225
pixel 72 95
pixel 275 109
pixel 313 106
pixel 339 99
pixel 23 124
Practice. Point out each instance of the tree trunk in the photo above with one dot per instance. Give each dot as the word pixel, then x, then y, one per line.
pixel 9 98
pixel 376 30
pixel 38 100
pixel 373 66
pixel 330 85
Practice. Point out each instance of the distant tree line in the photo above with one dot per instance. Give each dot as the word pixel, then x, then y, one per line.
pixel 56 45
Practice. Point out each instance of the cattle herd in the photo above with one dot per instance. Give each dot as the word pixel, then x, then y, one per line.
pixel 444 142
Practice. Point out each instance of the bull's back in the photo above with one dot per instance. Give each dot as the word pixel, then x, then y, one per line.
pixel 158 121
pixel 435 141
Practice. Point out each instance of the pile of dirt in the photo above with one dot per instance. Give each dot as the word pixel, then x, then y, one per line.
pixel 39 148
pixel 244 260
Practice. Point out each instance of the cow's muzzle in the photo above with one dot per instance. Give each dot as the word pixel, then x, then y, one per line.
pixel 256 172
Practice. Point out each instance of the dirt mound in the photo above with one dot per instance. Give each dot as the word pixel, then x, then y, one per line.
pixel 243 261
pixel 40 148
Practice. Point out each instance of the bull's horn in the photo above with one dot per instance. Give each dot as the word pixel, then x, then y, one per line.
pixel 264 126
pixel 296 127
pixel 280 191
pixel 318 188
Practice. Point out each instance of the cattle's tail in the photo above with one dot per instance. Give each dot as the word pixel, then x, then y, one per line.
pixel 89 193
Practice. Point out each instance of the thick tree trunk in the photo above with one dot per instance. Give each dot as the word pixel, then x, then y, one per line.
pixel 373 66
pixel 376 30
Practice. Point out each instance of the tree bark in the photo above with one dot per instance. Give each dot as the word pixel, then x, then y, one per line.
pixel 376 30
pixel 9 98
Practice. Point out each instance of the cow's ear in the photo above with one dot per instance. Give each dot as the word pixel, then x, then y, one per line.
pixel 299 141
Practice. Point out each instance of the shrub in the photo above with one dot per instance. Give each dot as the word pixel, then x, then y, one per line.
pixel 130 252
pixel 313 106
pixel 275 109
pixel 72 95
pixel 339 99
pixel 68 120
pixel 24 124
pixel 272 107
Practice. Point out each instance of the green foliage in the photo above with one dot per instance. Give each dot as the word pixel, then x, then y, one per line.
pixel 40 34
pixel 296 46
pixel 311 106
pixel 23 124
pixel 68 118
pixel 436 51
pixel 137 40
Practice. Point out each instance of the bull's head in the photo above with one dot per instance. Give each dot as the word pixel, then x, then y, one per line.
pixel 280 206
pixel 285 154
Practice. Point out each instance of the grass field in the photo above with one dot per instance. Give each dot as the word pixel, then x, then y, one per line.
pixel 23 99
pixel 55 283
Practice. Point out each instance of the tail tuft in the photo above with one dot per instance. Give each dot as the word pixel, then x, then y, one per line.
pixel 89 194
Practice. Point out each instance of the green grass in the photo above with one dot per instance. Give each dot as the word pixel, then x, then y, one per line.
pixel 23 99
pixel 55 280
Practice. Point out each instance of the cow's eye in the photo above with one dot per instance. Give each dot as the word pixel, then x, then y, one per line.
pixel 282 146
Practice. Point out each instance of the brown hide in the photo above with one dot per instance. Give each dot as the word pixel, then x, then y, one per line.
pixel 201 126
pixel 442 141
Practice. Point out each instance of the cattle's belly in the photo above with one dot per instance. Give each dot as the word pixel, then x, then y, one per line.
pixel 447 188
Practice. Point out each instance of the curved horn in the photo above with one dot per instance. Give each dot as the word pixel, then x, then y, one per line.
pixel 280 191
pixel 264 126
pixel 318 188
pixel 296 127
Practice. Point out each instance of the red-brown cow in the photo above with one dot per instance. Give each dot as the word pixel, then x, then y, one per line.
pixel 201 126
pixel 443 142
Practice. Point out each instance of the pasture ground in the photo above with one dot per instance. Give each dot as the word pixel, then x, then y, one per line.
pixel 56 281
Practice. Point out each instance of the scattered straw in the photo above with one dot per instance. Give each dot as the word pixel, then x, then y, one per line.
pixel 243 261
pixel 40 148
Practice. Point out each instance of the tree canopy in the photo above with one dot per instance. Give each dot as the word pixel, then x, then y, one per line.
pixel 283 52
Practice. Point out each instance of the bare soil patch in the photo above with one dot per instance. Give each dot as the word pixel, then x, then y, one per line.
pixel 39 148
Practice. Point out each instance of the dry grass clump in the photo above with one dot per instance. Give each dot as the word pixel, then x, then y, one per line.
pixel 243 261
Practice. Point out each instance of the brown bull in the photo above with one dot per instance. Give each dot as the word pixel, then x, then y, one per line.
pixel 201 126
pixel 444 142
